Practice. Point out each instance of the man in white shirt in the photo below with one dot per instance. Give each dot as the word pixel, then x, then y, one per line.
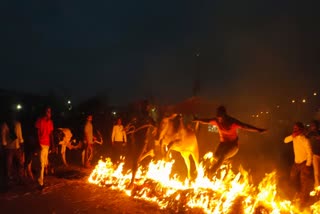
pixel 301 171
pixel 12 141
pixel 119 140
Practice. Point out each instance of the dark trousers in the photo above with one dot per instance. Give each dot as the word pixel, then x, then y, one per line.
pixel 3 172
pixel 224 151
pixel 87 154
pixel 119 149
pixel 301 178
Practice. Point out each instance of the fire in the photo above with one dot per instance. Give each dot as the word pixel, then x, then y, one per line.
pixel 226 193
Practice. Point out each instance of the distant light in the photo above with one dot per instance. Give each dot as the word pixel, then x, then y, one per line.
pixel 19 107
pixel 114 113
pixel 253 115
pixel 278 106
pixel 261 112
pixel 257 115
pixel 314 93
pixel 267 112
pixel 293 101
pixel 304 100
pixel 69 102
pixel 153 109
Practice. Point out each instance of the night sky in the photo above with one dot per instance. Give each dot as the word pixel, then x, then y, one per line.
pixel 258 51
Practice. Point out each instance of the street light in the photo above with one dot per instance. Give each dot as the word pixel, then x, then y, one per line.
pixel 18 107
pixel 314 93
pixel 304 100
pixel 293 101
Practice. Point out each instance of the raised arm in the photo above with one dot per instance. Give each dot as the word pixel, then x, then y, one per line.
pixel 205 120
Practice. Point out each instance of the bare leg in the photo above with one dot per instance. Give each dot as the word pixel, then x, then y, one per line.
pixel 88 156
pixel 223 152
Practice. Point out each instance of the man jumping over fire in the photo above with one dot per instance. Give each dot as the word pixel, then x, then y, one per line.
pixel 227 128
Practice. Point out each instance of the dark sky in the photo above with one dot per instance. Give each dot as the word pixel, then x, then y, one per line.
pixel 257 51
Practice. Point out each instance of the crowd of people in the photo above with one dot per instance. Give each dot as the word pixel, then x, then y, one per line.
pixel 16 155
pixel 15 159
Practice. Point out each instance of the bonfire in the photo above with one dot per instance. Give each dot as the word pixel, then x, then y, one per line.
pixel 227 192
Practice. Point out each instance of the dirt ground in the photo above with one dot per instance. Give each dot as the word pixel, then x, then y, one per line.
pixel 69 192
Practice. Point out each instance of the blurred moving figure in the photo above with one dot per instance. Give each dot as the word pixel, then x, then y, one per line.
pixel 314 137
pixel 87 153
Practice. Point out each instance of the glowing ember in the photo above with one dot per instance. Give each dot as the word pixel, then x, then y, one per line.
pixel 230 193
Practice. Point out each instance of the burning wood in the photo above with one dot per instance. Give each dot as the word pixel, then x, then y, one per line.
pixel 227 193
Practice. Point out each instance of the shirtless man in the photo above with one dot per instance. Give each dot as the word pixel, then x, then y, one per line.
pixel 227 128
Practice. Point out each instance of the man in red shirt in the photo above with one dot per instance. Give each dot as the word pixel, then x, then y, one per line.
pixel 44 126
pixel 227 128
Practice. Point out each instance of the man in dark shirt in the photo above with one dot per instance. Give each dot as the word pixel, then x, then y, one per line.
pixel 228 132
pixel 314 137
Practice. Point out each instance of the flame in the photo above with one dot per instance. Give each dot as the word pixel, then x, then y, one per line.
pixel 225 193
